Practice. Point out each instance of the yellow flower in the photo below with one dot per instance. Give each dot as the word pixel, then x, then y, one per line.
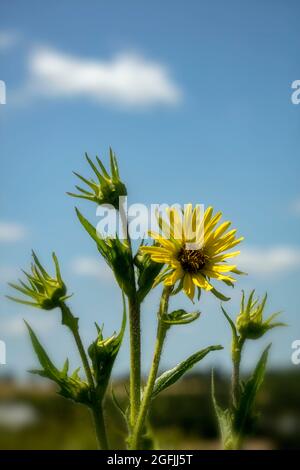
pixel 194 250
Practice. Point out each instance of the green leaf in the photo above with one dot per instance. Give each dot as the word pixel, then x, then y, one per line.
pixel 88 226
pixel 249 392
pixel 68 319
pixel 71 387
pixel 225 422
pixel 180 317
pixel 43 357
pixel 231 323
pixel 171 376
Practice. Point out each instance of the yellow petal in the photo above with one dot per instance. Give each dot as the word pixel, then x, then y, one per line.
pixel 221 268
pixel 188 286
pixel 187 220
pixel 200 281
pixel 220 277
pixel 174 277
pixel 217 259
pixel 175 223
pixel 163 241
pixel 218 232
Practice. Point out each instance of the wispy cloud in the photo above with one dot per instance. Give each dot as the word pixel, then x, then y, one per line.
pixel 267 262
pixel 8 39
pixel 126 79
pixel 11 232
pixel 91 267
pixel 13 325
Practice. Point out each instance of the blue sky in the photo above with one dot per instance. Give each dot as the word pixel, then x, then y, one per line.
pixel 203 114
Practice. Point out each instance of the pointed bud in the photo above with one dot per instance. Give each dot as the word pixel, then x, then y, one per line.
pixel 107 189
pixel 44 291
pixel 103 352
pixel 250 323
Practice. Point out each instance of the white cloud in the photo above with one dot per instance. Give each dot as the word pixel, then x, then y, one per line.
pixel 8 39
pixel 91 267
pixel 13 325
pixel 269 261
pixel 11 232
pixel 126 79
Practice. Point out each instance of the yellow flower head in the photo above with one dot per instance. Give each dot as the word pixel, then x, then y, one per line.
pixel 194 249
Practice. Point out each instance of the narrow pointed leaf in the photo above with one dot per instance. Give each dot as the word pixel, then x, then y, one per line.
pixel 249 392
pixel 171 376
pixel 43 357
pixel 232 325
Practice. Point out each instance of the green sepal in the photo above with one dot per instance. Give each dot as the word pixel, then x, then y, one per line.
pixel 231 323
pixel 71 387
pixel 250 323
pixel 44 291
pixel 219 295
pixel 116 254
pixel 108 189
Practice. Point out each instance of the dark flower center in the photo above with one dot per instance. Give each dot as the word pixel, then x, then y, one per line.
pixel 192 260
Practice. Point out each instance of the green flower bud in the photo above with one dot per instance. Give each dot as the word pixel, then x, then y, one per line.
pixel 108 188
pixel 250 323
pixel 103 352
pixel 45 292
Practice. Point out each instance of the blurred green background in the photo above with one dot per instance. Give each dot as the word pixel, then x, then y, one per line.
pixel 33 416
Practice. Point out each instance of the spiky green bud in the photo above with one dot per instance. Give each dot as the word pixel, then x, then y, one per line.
pixel 44 291
pixel 250 323
pixel 108 188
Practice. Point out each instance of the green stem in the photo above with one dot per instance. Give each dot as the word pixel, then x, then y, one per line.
pixel 135 334
pixel 71 322
pixel 84 359
pixel 236 361
pixel 97 412
pixel 135 358
pixel 147 394
pixel 237 348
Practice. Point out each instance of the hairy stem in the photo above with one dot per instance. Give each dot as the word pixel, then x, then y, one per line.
pixel 84 359
pixel 135 359
pixel 237 347
pixel 100 427
pixel 134 332
pixel 236 361
pixel 96 406
pixel 160 338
